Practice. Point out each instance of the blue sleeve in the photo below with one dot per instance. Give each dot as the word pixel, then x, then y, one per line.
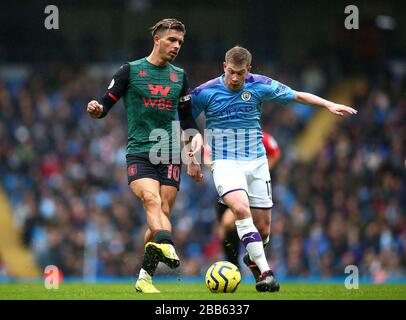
pixel 272 90
pixel 198 102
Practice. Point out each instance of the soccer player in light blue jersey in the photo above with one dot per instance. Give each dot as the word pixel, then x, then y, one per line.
pixel 232 107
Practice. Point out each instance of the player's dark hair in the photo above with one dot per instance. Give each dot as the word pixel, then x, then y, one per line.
pixel 167 24
pixel 238 56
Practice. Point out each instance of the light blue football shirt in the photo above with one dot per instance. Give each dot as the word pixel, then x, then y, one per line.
pixel 233 128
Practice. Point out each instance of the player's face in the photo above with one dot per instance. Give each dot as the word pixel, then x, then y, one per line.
pixel 170 43
pixel 235 75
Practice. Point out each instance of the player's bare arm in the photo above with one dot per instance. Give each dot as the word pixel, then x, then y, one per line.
pixel 195 145
pixel 313 100
pixel 193 167
pixel 194 170
pixel 193 149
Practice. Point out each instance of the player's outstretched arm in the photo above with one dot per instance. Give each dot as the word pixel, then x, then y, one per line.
pixel 94 109
pixel 313 100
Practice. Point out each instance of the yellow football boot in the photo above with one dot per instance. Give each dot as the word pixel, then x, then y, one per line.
pixel 163 252
pixel 145 286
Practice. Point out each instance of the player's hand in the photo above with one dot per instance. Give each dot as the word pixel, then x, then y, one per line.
pixel 196 145
pixel 94 109
pixel 194 170
pixel 340 109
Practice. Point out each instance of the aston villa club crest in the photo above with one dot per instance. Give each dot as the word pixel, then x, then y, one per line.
pixel 173 76
pixel 132 170
pixel 246 95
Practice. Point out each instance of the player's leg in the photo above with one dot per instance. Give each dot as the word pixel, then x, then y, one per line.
pixel 150 262
pixel 247 232
pixel 262 219
pixel 231 241
pixel 147 190
pixel 234 194
pixel 162 245
pixel 266 281
pixel 260 195
pixel 143 179
pixel 228 233
pixel 168 196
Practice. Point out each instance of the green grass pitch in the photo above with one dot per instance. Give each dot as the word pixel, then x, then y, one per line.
pixel 198 291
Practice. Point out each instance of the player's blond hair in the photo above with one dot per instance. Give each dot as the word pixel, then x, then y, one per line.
pixel 167 24
pixel 238 56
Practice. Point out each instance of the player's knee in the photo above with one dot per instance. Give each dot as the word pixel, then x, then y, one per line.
pixel 241 211
pixel 150 199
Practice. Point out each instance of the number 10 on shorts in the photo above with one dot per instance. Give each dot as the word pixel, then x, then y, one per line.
pixel 173 172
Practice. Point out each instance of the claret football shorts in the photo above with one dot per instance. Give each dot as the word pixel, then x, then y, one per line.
pixel 139 166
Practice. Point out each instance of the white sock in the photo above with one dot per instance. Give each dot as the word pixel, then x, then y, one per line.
pixel 252 241
pixel 144 275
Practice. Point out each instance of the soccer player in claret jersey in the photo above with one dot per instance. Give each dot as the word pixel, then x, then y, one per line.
pixel 231 241
pixel 232 106
pixel 154 90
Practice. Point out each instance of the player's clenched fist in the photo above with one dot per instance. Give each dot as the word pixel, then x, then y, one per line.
pixel 94 109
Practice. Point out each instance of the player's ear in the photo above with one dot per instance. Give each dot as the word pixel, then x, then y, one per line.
pixel 156 38
pixel 249 68
pixel 224 66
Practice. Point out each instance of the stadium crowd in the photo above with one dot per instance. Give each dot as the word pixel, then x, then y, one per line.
pixel 64 174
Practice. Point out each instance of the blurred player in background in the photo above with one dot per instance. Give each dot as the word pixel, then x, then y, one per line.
pixel 232 106
pixel 228 231
pixel 154 90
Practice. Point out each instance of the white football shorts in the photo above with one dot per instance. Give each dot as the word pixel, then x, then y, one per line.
pixel 249 175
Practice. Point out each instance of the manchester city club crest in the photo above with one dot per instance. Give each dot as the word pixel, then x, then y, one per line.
pixel 220 190
pixel 246 95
